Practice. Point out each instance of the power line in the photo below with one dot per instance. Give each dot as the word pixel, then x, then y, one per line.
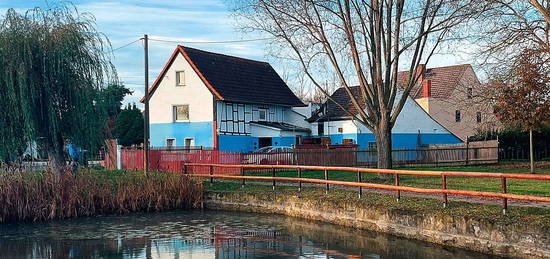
pixel 126 45
pixel 212 42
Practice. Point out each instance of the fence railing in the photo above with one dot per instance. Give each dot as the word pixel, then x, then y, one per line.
pixel 444 191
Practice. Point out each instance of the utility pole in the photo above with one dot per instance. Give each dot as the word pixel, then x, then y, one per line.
pixel 146 110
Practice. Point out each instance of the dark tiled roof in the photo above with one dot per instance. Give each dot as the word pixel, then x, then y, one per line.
pixel 281 126
pixel 330 111
pixel 443 80
pixel 242 80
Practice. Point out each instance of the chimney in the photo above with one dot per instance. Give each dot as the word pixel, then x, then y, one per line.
pixel 421 70
pixel 427 88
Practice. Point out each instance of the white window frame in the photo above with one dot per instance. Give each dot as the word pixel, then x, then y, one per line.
pixel 260 116
pixel 192 142
pixel 174 113
pixel 178 83
pixel 173 139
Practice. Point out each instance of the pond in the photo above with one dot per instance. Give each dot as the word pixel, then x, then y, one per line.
pixel 207 234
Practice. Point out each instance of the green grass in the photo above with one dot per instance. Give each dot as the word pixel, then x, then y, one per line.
pixel 539 218
pixel 515 186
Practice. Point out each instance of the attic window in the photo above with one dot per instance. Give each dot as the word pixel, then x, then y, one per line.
pixel 457 116
pixel 478 117
pixel 180 78
pixel 470 92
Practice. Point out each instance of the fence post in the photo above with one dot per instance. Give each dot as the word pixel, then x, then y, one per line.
pixel 444 187
pixel 398 194
pixel 504 200
pixel 467 151
pixel 300 182
pixel 273 173
pixel 211 174
pixel 326 178
pixel 359 179
pixel 242 174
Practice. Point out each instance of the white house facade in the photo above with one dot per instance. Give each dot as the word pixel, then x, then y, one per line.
pixel 228 103
pixel 414 128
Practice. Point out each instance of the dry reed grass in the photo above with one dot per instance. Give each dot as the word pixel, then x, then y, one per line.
pixel 37 196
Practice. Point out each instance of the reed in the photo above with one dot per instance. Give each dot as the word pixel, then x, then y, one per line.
pixel 37 196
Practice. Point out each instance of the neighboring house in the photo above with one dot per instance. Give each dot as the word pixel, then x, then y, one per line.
pixel 452 96
pixel 229 103
pixel 414 128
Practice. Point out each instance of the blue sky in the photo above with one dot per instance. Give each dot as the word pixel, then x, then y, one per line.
pixel 124 21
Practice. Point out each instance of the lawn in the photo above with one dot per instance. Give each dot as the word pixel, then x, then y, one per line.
pixel 516 215
pixel 515 186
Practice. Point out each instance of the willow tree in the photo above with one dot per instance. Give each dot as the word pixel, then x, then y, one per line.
pixel 363 43
pixel 53 64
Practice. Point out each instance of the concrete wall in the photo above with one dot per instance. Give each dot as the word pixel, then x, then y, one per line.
pixel 195 94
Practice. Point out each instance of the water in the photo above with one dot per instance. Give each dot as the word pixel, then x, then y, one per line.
pixel 207 234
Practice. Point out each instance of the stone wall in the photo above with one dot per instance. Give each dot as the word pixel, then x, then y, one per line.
pixel 516 241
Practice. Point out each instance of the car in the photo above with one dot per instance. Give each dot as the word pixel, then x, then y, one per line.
pixel 270 155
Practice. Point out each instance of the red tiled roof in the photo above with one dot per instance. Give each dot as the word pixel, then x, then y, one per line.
pixel 443 80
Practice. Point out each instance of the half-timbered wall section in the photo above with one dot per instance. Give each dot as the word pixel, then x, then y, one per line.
pixel 235 118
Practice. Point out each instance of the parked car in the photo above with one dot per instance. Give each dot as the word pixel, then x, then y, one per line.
pixel 270 156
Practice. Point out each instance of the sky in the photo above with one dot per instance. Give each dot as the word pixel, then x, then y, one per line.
pixel 124 21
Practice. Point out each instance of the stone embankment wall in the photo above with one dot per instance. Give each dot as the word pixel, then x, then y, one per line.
pixel 523 241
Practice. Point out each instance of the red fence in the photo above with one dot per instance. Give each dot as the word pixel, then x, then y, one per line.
pixel 174 160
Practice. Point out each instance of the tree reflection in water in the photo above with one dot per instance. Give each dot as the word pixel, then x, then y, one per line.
pixel 207 234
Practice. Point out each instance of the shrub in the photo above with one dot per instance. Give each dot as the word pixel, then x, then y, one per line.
pixel 36 196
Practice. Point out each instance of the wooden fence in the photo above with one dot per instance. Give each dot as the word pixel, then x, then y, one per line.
pixel 173 159
pixel 444 191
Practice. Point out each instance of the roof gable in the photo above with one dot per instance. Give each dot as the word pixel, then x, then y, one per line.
pixel 444 80
pixel 235 79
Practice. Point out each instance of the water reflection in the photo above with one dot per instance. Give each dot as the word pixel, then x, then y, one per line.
pixel 207 234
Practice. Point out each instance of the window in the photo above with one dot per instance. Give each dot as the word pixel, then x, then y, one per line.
pixel 457 116
pixel 189 142
pixel 372 146
pixel 470 92
pixel 180 78
pixel 170 142
pixel 320 129
pixel 262 115
pixel 340 130
pixel 181 112
pixel 478 117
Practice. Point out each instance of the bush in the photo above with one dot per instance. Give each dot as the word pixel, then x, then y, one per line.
pixel 36 196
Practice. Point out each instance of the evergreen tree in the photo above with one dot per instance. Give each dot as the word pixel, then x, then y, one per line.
pixel 129 126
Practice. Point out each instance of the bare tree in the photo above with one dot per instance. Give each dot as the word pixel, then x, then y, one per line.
pixel 364 43
pixel 511 26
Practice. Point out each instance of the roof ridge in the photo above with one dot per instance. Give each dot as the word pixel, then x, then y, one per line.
pixel 225 55
pixel 459 65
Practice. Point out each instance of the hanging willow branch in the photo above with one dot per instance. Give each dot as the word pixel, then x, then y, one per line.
pixel 52 65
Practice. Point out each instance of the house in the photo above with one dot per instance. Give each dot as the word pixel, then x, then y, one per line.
pixel 452 95
pixel 228 103
pixel 414 127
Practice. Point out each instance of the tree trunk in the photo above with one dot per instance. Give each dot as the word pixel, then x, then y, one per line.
pixel 383 146
pixel 56 160
pixel 531 152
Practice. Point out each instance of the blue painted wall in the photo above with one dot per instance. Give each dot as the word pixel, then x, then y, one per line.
pixel 399 140
pixel 200 131
pixel 233 143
